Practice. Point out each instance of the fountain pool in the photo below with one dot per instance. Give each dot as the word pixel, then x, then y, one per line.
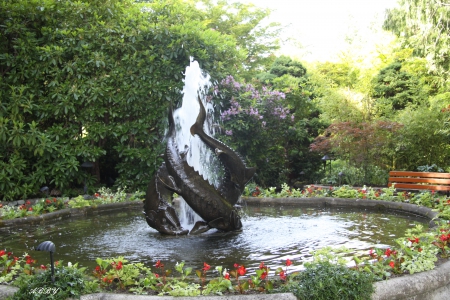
pixel 271 234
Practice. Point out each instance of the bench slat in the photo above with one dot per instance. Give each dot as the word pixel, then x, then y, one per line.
pixel 419 174
pixel 421 187
pixel 419 180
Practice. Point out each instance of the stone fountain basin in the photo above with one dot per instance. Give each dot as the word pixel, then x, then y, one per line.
pixel 434 284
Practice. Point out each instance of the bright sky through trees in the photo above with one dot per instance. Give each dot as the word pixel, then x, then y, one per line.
pixel 320 27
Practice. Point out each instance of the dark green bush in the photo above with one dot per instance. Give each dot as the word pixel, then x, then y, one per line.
pixel 327 281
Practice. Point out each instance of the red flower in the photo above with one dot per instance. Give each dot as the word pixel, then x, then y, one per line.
pixel 97 268
pixel 96 195
pixel 159 264
pixel 156 275
pixel 227 276
pixel 2 252
pixel 206 267
pixel 392 264
pixel 48 201
pixel 263 275
pixel 388 252
pixel 414 240
pixel 30 209
pixel 241 270
pixel 443 237
pixel 282 275
pixel 119 266
pixel 28 202
pixel 288 262
pixel 236 265
pixel 105 279
pixel 43 267
pixel 262 266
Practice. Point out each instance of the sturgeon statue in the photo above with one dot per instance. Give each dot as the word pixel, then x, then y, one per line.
pixel 175 175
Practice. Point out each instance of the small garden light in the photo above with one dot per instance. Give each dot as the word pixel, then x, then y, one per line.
pixel 340 177
pixel 87 165
pixel 325 159
pixel 50 247
pixel 44 189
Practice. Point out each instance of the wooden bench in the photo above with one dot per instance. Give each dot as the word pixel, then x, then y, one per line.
pixel 420 180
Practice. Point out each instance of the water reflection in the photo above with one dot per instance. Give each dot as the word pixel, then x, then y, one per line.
pixel 270 234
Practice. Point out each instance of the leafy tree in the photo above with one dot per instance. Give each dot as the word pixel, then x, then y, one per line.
pixel 423 26
pixel 395 89
pixel 91 81
pixel 422 140
pixel 362 144
pixel 244 22
pixel 272 126
pixel 340 74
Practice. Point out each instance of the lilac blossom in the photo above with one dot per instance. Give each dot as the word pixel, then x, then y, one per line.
pixel 229 132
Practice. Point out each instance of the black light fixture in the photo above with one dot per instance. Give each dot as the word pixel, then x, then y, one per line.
pixel 44 189
pixel 50 247
pixel 86 165
pixel 325 159
pixel 340 174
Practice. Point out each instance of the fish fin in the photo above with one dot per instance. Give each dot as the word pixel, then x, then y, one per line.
pixel 198 125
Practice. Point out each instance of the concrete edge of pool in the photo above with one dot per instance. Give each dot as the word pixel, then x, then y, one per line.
pixel 434 284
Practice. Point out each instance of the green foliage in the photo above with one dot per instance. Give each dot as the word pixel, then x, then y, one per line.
pixel 395 89
pixel 423 26
pixel 327 281
pixel 421 140
pixel 92 81
pixel 69 283
pixel 271 128
pixel 79 202
pixel 355 142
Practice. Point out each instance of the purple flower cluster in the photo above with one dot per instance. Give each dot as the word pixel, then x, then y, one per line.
pixel 230 82
pixel 270 101
pixel 232 111
pixel 281 112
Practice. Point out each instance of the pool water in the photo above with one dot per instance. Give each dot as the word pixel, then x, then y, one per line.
pixel 270 234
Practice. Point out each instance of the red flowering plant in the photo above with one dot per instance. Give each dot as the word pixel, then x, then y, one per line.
pixel 442 241
pixel 381 262
pixel 12 266
pixel 218 285
pixel 202 274
pixel 47 205
pixel 25 209
pixel 240 270
pixel 284 273
pixel 261 280
pixel 8 266
pixel 117 273
pixel 163 273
